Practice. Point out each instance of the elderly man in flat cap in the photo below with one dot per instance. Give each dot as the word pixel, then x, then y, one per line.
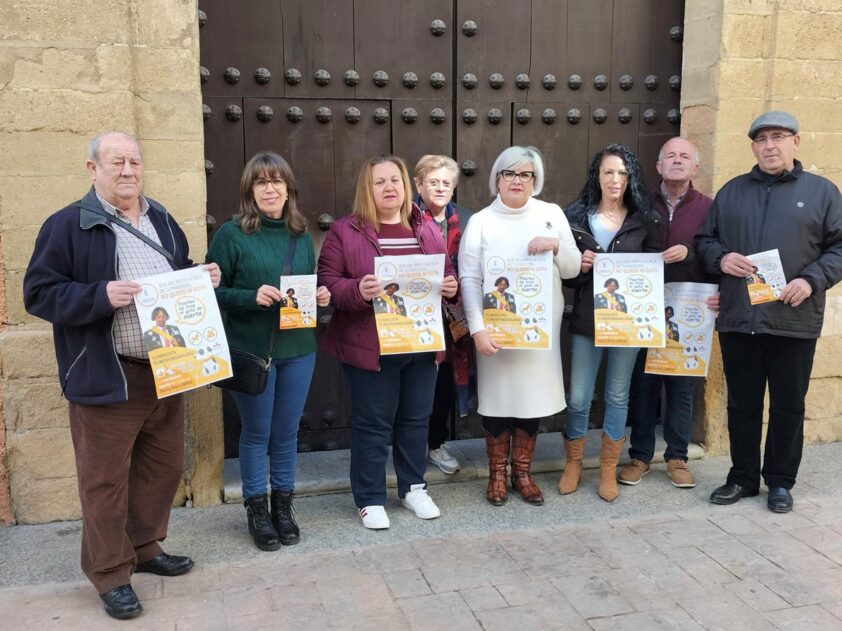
pixel 777 205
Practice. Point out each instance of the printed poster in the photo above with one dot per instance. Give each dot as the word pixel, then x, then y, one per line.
pixel 182 330
pixel 298 302
pixel 408 311
pixel 766 281
pixel 689 328
pixel 517 300
pixel 629 300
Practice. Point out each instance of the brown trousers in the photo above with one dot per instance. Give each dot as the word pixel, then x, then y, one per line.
pixel 129 463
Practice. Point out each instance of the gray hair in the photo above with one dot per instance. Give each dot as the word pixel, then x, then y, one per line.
pixel 96 142
pixel 696 154
pixel 512 157
pixel 431 162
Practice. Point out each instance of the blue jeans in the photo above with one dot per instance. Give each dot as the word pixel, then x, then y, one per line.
pixel 395 401
pixel 643 412
pixel 270 425
pixel 584 366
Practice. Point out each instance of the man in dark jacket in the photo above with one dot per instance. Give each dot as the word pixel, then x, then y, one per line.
pixel 683 210
pixel 775 206
pixel 128 444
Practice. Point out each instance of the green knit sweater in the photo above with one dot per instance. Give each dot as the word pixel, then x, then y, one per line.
pixel 248 261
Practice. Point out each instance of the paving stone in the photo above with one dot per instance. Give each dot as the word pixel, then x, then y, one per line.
pixel 738 558
pixel 684 532
pixel 299 594
pixel 620 547
pixel 756 595
pixel 823 540
pixel 176 608
pixel 470 564
pixel 639 589
pixel 735 524
pixel 301 618
pixel 364 597
pixel 804 588
pixel 244 601
pixel 716 608
pixel 529 591
pixel 196 581
pixel 835 608
pixel 788 553
pixel 543 616
pixel 666 619
pixel 809 618
pixel 592 596
pixel 438 611
pixel 699 565
pixel 387 558
pixel 407 583
pixel 481 598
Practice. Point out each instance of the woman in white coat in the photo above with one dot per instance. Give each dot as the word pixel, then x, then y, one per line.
pixel 516 387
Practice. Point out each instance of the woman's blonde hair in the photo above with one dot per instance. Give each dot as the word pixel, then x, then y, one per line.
pixel 364 208
pixel 431 163
pixel 269 165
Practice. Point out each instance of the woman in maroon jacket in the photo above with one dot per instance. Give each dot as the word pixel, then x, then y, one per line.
pixel 391 395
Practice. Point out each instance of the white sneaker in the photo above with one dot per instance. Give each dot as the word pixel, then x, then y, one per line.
pixel 417 500
pixel 374 517
pixel 444 460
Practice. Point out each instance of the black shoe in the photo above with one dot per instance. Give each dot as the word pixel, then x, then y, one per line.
pixel 165 565
pixel 283 518
pixel 731 493
pixel 121 603
pixel 260 523
pixel 779 500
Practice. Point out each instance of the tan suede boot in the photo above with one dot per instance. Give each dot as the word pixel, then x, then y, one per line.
pixel 497 448
pixel 609 456
pixel 569 480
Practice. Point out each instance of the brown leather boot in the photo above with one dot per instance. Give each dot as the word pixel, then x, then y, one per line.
pixel 497 448
pixel 609 456
pixel 523 445
pixel 569 480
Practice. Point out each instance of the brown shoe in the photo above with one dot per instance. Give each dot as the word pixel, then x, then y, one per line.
pixel 569 481
pixel 680 475
pixel 523 446
pixel 497 448
pixel 633 472
pixel 609 456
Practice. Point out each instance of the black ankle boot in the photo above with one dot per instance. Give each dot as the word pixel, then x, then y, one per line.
pixel 260 523
pixel 283 518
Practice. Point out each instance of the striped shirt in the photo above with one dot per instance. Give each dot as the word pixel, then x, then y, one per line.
pixel 135 260
pixel 396 240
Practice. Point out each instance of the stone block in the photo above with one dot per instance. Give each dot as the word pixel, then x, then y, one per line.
pixel 165 155
pixel 746 35
pixel 165 23
pixel 702 10
pixel 818 114
pixel 793 78
pixel 37 153
pixel 83 112
pixel 743 78
pixel 44 453
pixel 108 67
pixel 27 352
pixel 70 23
pixel 182 192
pixel 821 431
pixel 34 404
pixel 38 501
pixel 205 447
pixel 824 398
pixel 17 258
pixel 170 115
pixel 15 312
pixel 826 362
pixel 699 86
pixel 804 35
pixel 816 6
pixel 712 414
pixel 165 69
pixel 735 116
pixel 702 37
pixel 29 200
pixel 825 155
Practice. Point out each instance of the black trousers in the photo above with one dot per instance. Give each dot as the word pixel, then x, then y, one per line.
pixel 444 405
pixel 750 362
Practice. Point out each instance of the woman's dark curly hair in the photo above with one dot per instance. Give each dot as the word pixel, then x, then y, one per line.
pixel 635 198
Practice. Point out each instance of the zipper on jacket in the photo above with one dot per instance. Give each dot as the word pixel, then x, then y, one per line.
pixel 67 374
pixel 762 233
pixel 114 319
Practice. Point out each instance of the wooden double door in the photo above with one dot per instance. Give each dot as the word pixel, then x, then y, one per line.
pixel 329 84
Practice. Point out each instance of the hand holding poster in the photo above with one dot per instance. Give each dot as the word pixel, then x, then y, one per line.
pixel 629 300
pixel 298 302
pixel 689 327
pixel 767 280
pixel 183 331
pixel 408 312
pixel 517 302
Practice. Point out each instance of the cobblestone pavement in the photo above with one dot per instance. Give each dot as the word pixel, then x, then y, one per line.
pixel 693 566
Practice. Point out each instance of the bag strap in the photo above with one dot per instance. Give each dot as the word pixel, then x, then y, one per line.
pixel 134 231
pixel 285 271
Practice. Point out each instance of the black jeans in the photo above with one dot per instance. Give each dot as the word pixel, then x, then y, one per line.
pixel 750 362
pixel 444 406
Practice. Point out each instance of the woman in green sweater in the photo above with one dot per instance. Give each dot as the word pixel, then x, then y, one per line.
pixel 250 250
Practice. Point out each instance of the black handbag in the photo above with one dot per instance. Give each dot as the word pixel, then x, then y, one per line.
pixel 251 373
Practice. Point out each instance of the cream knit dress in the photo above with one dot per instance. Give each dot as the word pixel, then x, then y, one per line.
pixel 517 383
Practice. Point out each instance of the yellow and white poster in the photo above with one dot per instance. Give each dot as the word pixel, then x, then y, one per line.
pixel 517 300
pixel 298 302
pixel 629 300
pixel 408 311
pixel 689 328
pixel 766 281
pixel 182 330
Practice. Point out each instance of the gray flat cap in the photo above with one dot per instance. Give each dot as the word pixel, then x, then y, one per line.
pixel 784 120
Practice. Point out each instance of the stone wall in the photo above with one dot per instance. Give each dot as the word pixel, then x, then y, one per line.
pixel 69 70
pixel 741 58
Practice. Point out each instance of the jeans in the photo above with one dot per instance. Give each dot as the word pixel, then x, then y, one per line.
pixel 645 393
pixel 584 366
pixel 750 362
pixel 270 425
pixel 396 401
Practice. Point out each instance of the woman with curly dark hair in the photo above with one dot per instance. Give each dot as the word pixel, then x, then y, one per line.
pixel 611 214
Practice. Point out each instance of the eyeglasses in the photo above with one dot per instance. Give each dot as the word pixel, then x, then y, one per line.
pixel 775 138
pixel 261 182
pixel 445 184
pixel 524 176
